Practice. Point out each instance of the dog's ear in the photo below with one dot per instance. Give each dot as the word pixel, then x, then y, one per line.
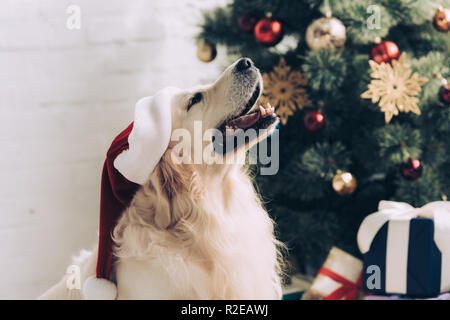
pixel 169 181
pixel 163 213
pixel 149 137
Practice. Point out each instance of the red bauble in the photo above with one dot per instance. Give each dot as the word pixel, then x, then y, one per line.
pixel 412 169
pixel 247 22
pixel 444 93
pixel 268 31
pixel 385 51
pixel 314 121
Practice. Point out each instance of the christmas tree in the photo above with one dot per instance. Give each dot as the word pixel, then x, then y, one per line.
pixel 361 90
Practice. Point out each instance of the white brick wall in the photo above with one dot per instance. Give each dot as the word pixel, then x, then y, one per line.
pixel 64 95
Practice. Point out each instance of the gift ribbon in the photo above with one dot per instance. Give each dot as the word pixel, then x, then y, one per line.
pixel 348 290
pixel 398 215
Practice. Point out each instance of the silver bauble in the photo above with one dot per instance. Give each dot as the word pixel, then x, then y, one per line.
pixel 327 32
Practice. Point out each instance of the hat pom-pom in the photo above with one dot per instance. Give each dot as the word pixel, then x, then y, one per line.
pixel 99 289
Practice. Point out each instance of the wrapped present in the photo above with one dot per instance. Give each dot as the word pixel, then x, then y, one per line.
pixel 408 249
pixel 339 278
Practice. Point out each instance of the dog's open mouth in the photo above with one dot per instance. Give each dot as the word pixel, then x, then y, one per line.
pixel 235 131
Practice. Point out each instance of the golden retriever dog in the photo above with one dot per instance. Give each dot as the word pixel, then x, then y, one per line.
pixel 198 230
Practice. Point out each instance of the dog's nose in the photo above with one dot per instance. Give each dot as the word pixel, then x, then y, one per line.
pixel 244 64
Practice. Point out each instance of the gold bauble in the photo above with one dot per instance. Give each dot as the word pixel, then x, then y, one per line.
pixel 327 32
pixel 344 183
pixel 206 51
pixel 442 19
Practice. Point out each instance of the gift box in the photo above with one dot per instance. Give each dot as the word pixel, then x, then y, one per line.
pixel 339 278
pixel 406 250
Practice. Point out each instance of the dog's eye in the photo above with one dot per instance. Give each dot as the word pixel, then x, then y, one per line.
pixel 195 99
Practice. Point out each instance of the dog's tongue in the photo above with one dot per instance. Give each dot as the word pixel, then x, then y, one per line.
pixel 245 121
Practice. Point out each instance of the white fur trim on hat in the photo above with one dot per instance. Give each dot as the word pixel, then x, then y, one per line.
pixel 149 137
pixel 99 289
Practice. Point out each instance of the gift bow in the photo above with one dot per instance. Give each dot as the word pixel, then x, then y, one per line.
pixel 348 290
pixel 397 212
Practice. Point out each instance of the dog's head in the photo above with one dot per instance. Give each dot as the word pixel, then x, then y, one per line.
pixel 221 113
pixel 212 124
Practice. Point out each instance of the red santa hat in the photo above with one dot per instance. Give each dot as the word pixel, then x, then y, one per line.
pixel 130 160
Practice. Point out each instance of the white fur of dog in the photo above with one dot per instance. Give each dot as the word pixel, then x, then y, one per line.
pixel 195 231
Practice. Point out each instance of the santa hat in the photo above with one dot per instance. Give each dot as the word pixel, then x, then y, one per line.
pixel 130 160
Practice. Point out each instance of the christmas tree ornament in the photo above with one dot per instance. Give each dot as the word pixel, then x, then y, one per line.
pixel 285 89
pixel 130 160
pixel 444 92
pixel 442 19
pixel 344 183
pixel 412 169
pixel 314 121
pixel 385 51
pixel 326 32
pixel 206 51
pixel 394 88
pixel 268 31
pixel 247 22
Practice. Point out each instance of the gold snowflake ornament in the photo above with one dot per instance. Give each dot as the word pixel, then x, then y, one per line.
pixel 394 88
pixel 285 89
